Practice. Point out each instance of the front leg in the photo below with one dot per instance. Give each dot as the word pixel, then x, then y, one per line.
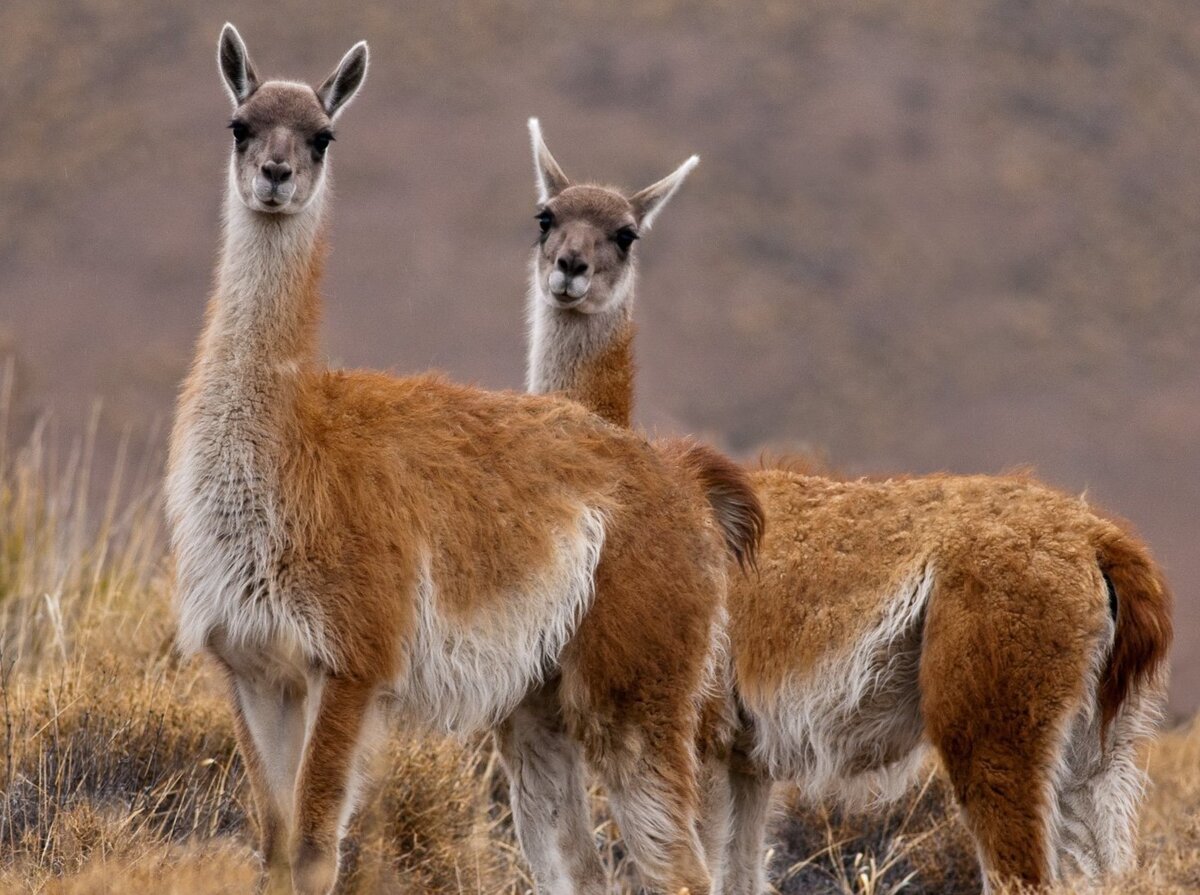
pixel 343 721
pixel 268 721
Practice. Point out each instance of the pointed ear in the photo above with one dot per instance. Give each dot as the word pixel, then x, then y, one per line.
pixel 650 201
pixel 339 88
pixel 234 63
pixel 550 177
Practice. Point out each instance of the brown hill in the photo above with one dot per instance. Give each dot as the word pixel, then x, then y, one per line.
pixel 924 235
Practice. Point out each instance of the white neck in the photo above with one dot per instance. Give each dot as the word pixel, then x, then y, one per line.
pixel 563 342
pixel 264 311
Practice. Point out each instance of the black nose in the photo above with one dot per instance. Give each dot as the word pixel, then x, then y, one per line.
pixel 572 265
pixel 277 172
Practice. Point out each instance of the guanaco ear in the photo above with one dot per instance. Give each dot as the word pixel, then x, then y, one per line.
pixel 649 202
pixel 550 177
pixel 339 88
pixel 234 63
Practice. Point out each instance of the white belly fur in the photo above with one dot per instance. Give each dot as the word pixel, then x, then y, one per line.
pixel 466 674
pixel 851 729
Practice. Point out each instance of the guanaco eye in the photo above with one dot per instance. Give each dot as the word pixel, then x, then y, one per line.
pixel 624 238
pixel 321 141
pixel 545 220
pixel 241 133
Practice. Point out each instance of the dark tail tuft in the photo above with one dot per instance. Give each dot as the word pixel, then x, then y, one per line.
pixel 734 501
pixel 1143 615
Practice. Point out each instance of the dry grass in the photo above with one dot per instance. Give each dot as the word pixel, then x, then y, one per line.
pixel 120 772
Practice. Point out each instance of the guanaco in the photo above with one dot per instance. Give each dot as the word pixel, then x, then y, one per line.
pixel 1010 628
pixel 352 546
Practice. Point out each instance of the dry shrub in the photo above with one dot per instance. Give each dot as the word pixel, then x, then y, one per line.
pixel 915 846
pixel 215 868
pixel 103 760
pixel 426 828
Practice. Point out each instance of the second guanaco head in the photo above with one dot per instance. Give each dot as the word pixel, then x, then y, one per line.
pixel 584 259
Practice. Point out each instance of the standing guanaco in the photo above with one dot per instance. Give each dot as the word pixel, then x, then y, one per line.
pixel 350 545
pixel 1008 627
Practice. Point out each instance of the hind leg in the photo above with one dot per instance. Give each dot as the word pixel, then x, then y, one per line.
pixel 549 799
pixel 651 782
pixel 636 680
pixel 1099 792
pixel 1003 673
pixel 716 748
pixel 1005 798
pixel 751 800
pixel 715 824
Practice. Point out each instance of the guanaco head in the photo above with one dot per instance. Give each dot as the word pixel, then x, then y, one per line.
pixel 282 129
pixel 584 259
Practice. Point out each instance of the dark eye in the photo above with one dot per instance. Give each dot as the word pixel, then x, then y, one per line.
pixel 545 221
pixel 321 141
pixel 241 133
pixel 624 238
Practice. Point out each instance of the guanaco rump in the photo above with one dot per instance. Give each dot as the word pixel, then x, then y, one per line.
pixel 1010 628
pixel 351 545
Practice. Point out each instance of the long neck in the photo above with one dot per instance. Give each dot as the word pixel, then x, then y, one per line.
pixel 262 319
pixel 586 357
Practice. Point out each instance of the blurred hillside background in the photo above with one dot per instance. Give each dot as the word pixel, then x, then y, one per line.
pixel 937 235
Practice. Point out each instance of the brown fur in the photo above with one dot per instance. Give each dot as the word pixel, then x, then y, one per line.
pixel 315 512
pixel 605 382
pixel 1017 613
pixel 834 549
pixel 325 773
pixel 1007 641
pixel 372 468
